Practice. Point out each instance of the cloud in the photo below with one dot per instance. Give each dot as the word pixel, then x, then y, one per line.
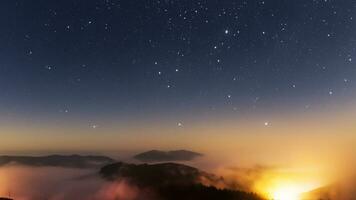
pixel 33 183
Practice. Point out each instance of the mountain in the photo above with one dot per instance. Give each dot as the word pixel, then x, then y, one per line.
pixel 70 161
pixel 340 191
pixel 167 156
pixel 319 193
pixel 171 181
pixel 155 174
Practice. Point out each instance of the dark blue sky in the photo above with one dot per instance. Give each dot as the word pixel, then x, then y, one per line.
pixel 89 59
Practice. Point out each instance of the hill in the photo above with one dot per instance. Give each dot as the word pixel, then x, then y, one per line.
pixel 171 181
pixel 167 156
pixel 71 161
pixel 340 191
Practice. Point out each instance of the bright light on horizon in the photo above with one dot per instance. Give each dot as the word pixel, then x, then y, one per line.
pixel 288 192
pixel 287 184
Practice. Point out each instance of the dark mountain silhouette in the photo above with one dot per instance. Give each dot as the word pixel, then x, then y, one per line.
pixel 171 181
pixel 156 174
pixel 167 156
pixel 72 161
pixel 199 191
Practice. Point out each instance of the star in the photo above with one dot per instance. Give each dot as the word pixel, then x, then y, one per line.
pixel 48 67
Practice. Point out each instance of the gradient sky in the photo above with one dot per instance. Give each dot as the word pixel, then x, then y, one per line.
pixel 95 67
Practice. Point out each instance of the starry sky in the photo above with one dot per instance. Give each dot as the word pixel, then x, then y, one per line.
pixel 93 61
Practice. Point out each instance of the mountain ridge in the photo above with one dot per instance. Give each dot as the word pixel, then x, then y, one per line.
pixel 167 156
pixel 56 160
pixel 173 181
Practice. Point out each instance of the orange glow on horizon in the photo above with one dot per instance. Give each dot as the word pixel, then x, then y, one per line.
pixel 279 185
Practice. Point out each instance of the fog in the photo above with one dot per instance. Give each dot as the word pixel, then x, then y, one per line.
pixel 56 183
pixel 35 183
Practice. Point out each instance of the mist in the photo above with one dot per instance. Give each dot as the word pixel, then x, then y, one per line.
pixel 55 183
pixel 308 151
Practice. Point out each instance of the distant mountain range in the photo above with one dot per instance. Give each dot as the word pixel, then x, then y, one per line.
pixel 72 161
pixel 171 181
pixel 167 156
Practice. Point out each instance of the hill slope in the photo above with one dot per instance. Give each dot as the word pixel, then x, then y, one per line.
pixel 340 191
pixel 171 181
pixel 72 161
pixel 167 156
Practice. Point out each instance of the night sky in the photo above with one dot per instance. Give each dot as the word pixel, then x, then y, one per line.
pixel 264 89
pixel 96 60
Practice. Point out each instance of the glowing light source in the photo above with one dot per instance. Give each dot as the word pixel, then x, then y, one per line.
pixel 287 193
pixel 287 184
